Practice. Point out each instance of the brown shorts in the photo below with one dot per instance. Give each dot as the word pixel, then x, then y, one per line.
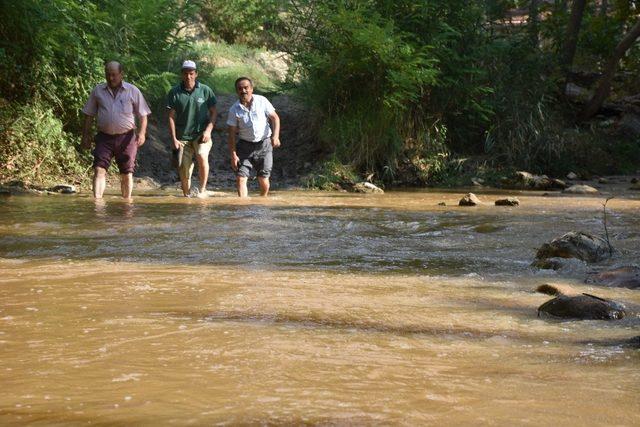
pixel 123 147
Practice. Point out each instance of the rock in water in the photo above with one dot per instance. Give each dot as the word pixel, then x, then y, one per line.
pixel 576 245
pixel 581 189
pixel 367 187
pixel 623 277
pixel 509 201
pixel 583 306
pixel 63 188
pixel 572 176
pixel 469 200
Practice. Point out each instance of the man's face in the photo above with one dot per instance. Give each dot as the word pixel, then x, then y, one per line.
pixel 113 76
pixel 244 90
pixel 189 78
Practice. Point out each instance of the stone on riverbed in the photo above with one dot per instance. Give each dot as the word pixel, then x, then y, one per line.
pixel 469 200
pixel 576 245
pixel 63 189
pixel 367 187
pixel 527 180
pixel 583 306
pixel 581 189
pixel 509 201
pixel 621 277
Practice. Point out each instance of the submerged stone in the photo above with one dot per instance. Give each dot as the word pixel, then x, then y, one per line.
pixel 582 307
pixel 63 189
pixel 578 245
pixel 509 201
pixel 469 200
pixel 581 189
pixel 622 277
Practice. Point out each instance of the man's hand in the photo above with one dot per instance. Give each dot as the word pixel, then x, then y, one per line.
pixel 206 137
pixel 176 144
pixel 234 161
pixel 141 139
pixel 275 142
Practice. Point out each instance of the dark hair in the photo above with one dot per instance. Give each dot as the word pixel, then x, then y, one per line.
pixel 239 79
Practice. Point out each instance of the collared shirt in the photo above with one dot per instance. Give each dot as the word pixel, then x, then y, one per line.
pixel 191 109
pixel 116 108
pixel 253 124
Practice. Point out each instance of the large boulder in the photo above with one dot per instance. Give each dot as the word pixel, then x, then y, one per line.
pixel 621 277
pixel 582 307
pixel 578 245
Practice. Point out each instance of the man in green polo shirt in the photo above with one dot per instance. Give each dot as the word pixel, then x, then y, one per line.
pixel 192 116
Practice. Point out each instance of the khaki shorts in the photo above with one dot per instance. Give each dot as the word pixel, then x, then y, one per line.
pixel 191 148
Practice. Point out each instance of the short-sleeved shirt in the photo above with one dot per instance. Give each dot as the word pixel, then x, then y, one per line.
pixel 116 108
pixel 253 125
pixel 192 109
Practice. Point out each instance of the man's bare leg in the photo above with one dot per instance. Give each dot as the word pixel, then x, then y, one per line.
pixel 241 183
pixel 99 182
pixel 126 185
pixel 203 171
pixel 264 185
pixel 185 180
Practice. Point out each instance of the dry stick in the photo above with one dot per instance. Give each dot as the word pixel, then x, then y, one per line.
pixel 606 232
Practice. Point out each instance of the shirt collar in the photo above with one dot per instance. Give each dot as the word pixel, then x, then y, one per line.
pixel 197 85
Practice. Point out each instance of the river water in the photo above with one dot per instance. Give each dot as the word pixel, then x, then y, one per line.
pixel 306 308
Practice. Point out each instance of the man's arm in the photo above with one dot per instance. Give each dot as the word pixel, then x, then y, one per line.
pixel 275 128
pixel 213 114
pixel 142 132
pixel 86 132
pixel 232 147
pixel 172 129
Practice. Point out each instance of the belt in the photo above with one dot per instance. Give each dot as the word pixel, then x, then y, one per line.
pixel 255 142
pixel 117 134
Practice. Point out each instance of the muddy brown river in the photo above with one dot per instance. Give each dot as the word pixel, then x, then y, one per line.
pixel 307 308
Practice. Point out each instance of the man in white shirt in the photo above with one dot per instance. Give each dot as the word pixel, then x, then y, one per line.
pixel 257 125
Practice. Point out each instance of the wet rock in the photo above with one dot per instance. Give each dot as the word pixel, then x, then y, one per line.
pixel 582 307
pixel 63 189
pixel 367 187
pixel 469 200
pixel 527 180
pixel 442 204
pixel 146 183
pixel 603 181
pixel 581 189
pixel 572 176
pixel 621 277
pixel 478 182
pixel 547 264
pixel 578 245
pixel 509 201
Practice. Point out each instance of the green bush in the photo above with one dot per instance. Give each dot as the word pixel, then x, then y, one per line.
pixel 36 149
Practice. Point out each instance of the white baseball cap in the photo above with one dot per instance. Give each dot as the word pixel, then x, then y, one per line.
pixel 188 65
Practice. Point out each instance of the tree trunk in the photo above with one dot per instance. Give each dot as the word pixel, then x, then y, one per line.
pixel 604 87
pixel 573 29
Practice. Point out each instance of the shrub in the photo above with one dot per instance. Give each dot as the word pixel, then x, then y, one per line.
pixel 36 149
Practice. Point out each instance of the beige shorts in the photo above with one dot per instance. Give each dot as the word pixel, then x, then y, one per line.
pixel 190 149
